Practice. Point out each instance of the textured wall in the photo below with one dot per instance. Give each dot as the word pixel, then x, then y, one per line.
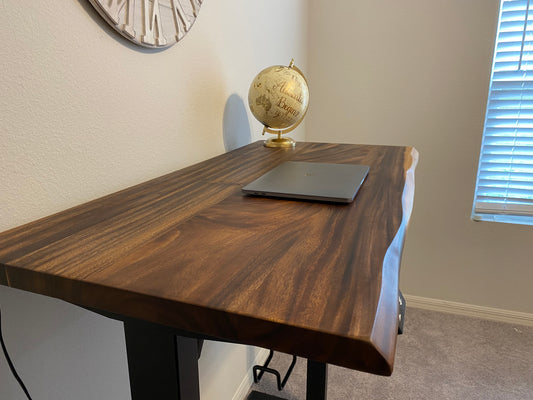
pixel 417 73
pixel 85 113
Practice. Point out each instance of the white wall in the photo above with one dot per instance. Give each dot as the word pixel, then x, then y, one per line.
pixel 84 113
pixel 416 73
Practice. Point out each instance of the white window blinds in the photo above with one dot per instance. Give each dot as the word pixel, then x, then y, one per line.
pixel 504 189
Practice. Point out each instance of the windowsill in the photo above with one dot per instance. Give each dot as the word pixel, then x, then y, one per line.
pixel 508 219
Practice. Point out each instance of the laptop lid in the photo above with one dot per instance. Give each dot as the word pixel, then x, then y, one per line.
pixel 310 181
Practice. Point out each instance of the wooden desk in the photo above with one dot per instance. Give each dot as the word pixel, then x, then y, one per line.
pixel 189 254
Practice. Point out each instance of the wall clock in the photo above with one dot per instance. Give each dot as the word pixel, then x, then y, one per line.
pixel 150 23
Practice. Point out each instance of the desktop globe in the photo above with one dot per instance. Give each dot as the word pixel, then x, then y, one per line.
pixel 278 98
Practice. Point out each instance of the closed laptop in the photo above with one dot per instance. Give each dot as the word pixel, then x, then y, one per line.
pixel 310 181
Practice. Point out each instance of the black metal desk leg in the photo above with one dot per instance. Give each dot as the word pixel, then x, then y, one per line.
pixel 317 380
pixel 161 365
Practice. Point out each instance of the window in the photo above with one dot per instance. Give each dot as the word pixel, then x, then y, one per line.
pixel 504 188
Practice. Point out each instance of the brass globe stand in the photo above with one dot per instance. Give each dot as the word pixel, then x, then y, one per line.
pixel 280 141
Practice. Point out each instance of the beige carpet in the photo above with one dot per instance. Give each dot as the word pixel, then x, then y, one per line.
pixel 439 356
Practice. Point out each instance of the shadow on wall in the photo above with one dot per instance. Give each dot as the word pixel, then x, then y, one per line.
pixel 236 127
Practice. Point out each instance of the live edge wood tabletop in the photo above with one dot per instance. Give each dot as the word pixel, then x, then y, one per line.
pixel 190 251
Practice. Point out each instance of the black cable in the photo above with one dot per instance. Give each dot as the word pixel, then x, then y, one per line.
pixel 11 366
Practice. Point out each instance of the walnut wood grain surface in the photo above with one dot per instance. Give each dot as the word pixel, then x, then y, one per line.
pixel 190 251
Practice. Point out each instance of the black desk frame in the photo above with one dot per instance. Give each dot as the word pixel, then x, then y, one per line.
pixel 163 362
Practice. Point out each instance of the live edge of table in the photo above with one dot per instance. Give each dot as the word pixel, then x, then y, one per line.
pixel 188 256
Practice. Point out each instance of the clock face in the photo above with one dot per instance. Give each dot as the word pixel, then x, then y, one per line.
pixel 150 23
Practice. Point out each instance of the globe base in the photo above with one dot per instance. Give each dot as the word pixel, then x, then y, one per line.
pixel 286 142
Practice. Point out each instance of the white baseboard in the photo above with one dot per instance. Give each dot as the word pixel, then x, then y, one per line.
pixel 248 379
pixel 493 314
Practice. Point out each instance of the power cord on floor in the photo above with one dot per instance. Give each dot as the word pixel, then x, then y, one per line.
pixel 11 366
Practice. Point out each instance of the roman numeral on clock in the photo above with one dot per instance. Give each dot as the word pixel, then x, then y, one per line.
pixel 150 23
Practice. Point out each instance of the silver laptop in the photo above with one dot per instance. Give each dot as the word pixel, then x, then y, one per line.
pixel 310 181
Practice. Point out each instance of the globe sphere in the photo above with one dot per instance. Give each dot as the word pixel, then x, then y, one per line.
pixel 278 97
